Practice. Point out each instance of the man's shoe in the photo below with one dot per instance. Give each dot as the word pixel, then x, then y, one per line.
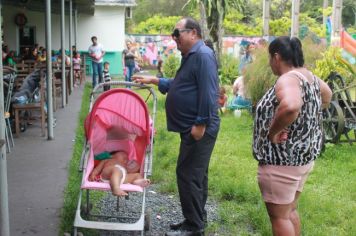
pixel 177 225
pixel 186 233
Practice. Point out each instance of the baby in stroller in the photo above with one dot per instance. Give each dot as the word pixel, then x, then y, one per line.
pixel 116 170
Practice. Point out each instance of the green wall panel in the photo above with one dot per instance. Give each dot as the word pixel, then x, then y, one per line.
pixel 114 58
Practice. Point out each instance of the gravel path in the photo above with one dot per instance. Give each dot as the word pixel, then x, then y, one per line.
pixel 165 209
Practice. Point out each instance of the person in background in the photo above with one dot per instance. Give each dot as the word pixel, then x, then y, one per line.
pixel 9 59
pixel 238 90
pixel 159 69
pixel 96 52
pixel 287 135
pixel 76 68
pixel 246 58
pixel 43 56
pixel 26 54
pixel 192 111
pixel 106 75
pixel 5 51
pixel 54 56
pixel 66 58
pixel 130 55
pixel 222 101
pixel 34 53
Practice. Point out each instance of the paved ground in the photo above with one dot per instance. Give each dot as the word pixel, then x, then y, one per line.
pixel 37 173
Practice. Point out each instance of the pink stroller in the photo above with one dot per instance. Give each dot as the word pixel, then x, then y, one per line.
pixel 119 120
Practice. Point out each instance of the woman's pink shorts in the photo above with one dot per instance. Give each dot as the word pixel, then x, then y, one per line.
pixel 279 184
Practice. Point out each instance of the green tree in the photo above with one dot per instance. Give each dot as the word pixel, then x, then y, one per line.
pixel 146 9
pixel 213 13
pixel 157 25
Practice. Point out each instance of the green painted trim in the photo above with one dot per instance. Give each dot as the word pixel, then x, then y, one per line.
pixel 113 57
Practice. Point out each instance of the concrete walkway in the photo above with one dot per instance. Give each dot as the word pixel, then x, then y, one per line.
pixel 38 171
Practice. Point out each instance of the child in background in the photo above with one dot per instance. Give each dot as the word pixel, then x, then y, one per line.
pixel 160 69
pixel 42 55
pixel 76 67
pixel 9 59
pixel 222 99
pixel 118 170
pixel 106 75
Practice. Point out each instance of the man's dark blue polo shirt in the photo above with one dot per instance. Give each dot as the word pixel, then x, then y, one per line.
pixel 193 93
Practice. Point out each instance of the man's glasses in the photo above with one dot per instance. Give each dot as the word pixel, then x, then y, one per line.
pixel 176 32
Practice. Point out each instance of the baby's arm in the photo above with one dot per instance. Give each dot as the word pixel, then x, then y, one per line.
pixel 97 170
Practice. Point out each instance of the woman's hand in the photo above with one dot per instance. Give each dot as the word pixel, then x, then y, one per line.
pixel 279 137
pixel 145 79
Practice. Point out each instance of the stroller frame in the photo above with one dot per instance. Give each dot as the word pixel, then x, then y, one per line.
pixel 143 222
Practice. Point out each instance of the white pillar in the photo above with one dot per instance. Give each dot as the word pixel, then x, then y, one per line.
pixel 49 71
pixel 75 27
pixel 4 199
pixel 70 43
pixel 63 66
pixel 266 16
pixel 336 18
pixel 295 18
pixel 325 5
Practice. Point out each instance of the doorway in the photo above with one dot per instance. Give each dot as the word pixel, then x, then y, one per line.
pixel 27 38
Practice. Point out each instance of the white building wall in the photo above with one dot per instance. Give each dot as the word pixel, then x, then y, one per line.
pixel 108 24
pixel 36 19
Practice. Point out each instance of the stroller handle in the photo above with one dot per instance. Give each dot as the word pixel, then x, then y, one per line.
pixel 122 83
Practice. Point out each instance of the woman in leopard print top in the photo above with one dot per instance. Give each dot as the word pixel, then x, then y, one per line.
pixel 288 133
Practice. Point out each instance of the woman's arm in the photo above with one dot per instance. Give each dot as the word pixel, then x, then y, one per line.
pixel 289 95
pixel 326 93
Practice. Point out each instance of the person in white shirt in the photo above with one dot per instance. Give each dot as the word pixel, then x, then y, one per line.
pixel 238 89
pixel 96 52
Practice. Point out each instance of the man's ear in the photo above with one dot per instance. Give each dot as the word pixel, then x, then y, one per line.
pixel 195 33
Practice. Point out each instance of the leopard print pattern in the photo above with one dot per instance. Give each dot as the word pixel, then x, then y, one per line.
pixel 305 133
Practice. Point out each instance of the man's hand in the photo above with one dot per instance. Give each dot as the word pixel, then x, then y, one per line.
pixel 197 131
pixel 145 79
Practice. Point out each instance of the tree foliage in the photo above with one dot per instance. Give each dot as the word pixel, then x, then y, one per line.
pixel 157 24
pixel 170 66
pixel 332 61
pixel 241 17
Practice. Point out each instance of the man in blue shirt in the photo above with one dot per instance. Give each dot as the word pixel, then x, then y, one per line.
pixel 192 111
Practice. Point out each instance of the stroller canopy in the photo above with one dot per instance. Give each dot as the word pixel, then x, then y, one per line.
pixel 118 114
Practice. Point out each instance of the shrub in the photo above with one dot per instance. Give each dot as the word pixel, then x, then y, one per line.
pixel 332 60
pixel 229 69
pixel 312 52
pixel 258 77
pixel 170 66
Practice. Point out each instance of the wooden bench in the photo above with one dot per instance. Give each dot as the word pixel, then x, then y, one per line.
pixel 30 107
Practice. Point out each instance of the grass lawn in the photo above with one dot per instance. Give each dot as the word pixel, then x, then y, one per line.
pixel 327 206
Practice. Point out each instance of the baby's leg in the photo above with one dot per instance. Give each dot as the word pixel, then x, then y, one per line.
pixel 115 181
pixel 136 179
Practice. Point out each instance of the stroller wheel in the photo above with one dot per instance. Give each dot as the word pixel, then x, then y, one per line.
pixel 148 221
pixel 86 210
pixel 76 233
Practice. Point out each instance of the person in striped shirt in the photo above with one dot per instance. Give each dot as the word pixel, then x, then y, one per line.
pixel 106 75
